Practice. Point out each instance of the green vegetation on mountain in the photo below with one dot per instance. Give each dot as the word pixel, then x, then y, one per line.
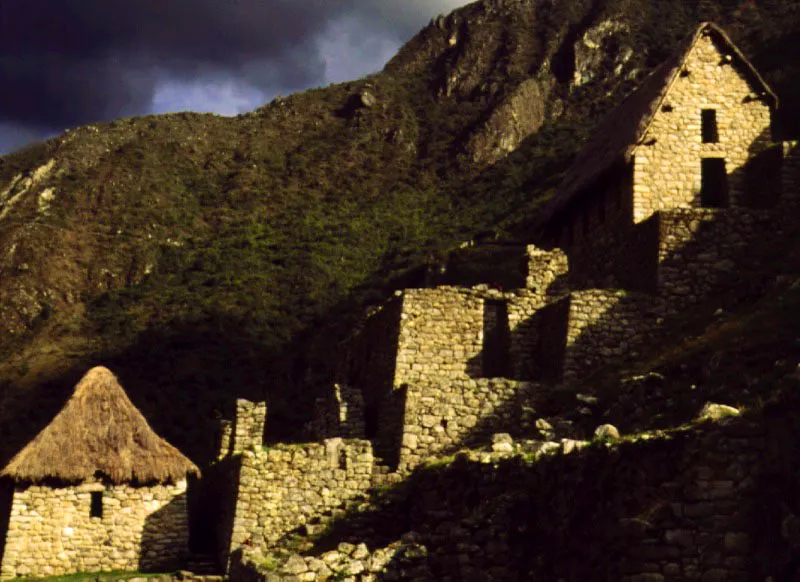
pixel 204 258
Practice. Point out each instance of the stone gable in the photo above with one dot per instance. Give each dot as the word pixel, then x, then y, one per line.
pixel 667 161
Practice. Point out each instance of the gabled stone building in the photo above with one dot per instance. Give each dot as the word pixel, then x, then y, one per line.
pixel 96 489
pixel 697 134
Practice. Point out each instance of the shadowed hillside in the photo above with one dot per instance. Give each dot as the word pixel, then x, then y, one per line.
pixel 204 258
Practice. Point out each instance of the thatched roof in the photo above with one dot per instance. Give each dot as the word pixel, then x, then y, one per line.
pixel 99 430
pixel 617 136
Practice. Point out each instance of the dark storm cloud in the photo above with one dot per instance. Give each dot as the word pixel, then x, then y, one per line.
pixel 68 62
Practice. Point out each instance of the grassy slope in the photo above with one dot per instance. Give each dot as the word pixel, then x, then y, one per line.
pixel 204 258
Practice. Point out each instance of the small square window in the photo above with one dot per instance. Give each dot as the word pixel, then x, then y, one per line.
pixel 709 126
pixel 96 509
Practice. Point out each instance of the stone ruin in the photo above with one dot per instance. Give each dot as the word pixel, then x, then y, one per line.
pixel 659 220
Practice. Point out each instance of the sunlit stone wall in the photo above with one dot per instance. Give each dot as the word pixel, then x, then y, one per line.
pixel 52 530
pixel 667 165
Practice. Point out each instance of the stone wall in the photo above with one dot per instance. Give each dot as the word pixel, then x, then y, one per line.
pixel 369 365
pixel 286 486
pixel 591 328
pixel 595 231
pixel 685 508
pixel 607 327
pixel 667 164
pixel 248 426
pixel 714 501
pixel 52 531
pixel 701 249
pixel 441 335
pixel 442 417
pixel 790 174
pixel 547 273
pixel 550 332
pixel 523 306
pixel 340 413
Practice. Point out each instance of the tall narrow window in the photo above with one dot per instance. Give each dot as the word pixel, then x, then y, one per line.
pixel 496 339
pixel 714 185
pixel 709 126
pixel 97 504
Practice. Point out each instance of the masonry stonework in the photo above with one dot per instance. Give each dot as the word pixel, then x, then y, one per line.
pixel 286 486
pixel 340 413
pixel 248 426
pixel 790 174
pixel 709 502
pixel 701 249
pixel 444 417
pixel 52 531
pixel 441 369
pixel 438 370
pixel 441 335
pixel 606 327
pixel 667 163
pixel 547 272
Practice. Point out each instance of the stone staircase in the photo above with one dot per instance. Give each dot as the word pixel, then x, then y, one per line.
pixel 383 475
pixel 201 568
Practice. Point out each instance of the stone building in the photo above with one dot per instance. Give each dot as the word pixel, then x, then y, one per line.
pixel 96 489
pixel 697 134
pixel 680 184
pixel 676 184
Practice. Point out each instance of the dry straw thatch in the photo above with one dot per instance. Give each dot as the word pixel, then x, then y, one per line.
pixel 616 138
pixel 99 430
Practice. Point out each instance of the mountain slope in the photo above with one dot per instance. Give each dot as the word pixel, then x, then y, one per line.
pixel 204 258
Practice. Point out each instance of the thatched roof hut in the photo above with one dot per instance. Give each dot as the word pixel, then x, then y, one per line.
pixel 619 134
pixel 99 431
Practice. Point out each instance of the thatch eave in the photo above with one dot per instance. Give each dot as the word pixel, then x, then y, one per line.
pixel 99 433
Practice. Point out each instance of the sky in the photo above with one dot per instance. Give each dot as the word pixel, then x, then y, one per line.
pixel 69 63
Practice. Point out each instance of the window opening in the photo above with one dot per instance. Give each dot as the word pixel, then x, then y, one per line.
pixel 714 184
pixel 495 339
pixel 97 504
pixel 709 126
